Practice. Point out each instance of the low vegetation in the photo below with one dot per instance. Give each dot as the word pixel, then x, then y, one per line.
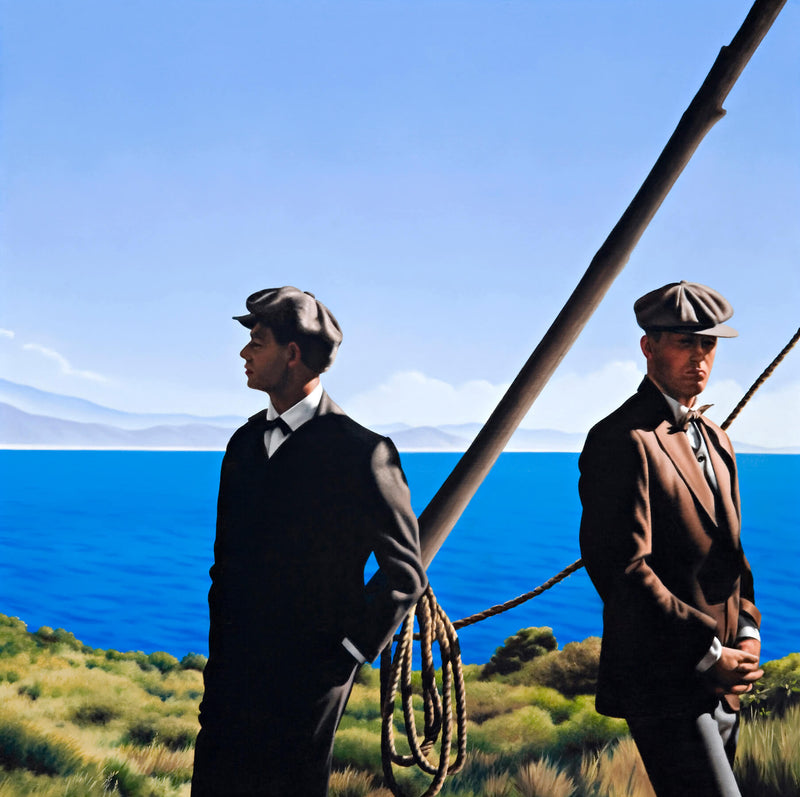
pixel 77 721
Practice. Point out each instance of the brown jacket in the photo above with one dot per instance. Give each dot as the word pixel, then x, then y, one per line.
pixel 664 554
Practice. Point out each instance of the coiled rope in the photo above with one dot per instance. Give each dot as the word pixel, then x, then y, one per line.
pixel 435 625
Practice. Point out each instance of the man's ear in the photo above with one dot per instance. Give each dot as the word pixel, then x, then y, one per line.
pixel 293 351
pixel 647 346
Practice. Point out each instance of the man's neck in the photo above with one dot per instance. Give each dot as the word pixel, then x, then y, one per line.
pixel 689 402
pixel 285 400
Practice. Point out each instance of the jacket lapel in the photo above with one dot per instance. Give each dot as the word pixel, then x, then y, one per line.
pixel 677 448
pixel 675 445
pixel 723 470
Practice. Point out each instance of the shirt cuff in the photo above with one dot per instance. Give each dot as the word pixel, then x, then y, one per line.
pixel 711 658
pixel 354 651
pixel 747 628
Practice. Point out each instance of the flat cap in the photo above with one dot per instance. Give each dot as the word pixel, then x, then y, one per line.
pixel 289 306
pixel 685 307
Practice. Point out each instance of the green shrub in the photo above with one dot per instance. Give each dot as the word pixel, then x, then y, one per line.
pixel 12 622
pixel 59 637
pixel 526 729
pixel 24 747
pixel 164 662
pixel 142 659
pixel 171 732
pixel 194 661
pixel 160 691
pixel 142 733
pixel 368 676
pixel 32 691
pixel 364 703
pixel 13 647
pixel 571 671
pixel 486 699
pixel 526 645
pixel 357 747
pixel 777 691
pixel 92 713
pixel 587 731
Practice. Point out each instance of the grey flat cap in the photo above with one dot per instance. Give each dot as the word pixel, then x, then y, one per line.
pixel 685 307
pixel 291 306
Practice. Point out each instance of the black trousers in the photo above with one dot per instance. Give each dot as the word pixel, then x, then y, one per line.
pixel 689 756
pixel 285 754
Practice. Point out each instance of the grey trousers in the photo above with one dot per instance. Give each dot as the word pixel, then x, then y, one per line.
pixel 689 756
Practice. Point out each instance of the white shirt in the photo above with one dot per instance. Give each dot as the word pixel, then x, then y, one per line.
pixel 295 417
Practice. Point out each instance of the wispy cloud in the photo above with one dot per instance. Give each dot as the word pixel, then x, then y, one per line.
pixel 63 364
pixel 571 402
pixel 769 419
pixel 6 333
pixel 416 399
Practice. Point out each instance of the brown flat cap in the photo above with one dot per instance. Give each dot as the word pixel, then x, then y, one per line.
pixel 685 307
pixel 291 306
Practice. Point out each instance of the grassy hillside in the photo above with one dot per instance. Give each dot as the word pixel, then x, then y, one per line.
pixel 79 722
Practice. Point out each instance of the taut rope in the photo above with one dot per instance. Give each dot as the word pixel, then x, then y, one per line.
pixel 434 623
pixel 761 379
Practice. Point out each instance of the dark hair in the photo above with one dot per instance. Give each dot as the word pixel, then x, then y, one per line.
pixel 314 352
pixel 655 334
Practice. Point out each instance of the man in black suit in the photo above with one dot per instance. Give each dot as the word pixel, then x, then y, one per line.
pixel 306 495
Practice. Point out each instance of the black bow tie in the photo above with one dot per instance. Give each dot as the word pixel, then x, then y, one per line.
pixel 691 415
pixel 277 423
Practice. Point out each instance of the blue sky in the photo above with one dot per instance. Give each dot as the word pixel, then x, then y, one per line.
pixel 439 173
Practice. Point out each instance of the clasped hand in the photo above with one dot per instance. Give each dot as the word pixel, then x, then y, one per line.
pixel 736 670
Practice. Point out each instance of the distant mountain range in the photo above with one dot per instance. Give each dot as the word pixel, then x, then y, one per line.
pixel 35 418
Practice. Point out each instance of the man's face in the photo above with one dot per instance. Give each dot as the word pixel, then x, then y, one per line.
pixel 680 363
pixel 265 360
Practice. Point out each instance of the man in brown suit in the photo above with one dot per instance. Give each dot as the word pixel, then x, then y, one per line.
pixel 660 541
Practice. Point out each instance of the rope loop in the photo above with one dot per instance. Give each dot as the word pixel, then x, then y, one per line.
pixel 434 626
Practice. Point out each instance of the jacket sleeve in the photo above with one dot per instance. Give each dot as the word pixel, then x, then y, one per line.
pixel 400 579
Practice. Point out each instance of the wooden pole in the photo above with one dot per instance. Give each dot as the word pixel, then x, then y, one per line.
pixel 705 110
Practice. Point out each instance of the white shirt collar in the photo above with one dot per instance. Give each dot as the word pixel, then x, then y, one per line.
pixel 300 413
pixel 678 410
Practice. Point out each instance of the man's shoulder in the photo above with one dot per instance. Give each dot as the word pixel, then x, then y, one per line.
pixel 643 410
pixel 341 426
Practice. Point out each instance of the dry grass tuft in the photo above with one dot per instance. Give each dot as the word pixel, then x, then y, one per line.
pixel 543 779
pixel 159 761
pixel 617 771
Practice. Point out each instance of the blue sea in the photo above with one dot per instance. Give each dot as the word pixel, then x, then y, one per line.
pixel 115 546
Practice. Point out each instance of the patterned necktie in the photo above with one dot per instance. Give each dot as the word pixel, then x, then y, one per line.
pixel 692 415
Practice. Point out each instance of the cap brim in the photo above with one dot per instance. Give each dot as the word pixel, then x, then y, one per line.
pixel 718 331
pixel 248 320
